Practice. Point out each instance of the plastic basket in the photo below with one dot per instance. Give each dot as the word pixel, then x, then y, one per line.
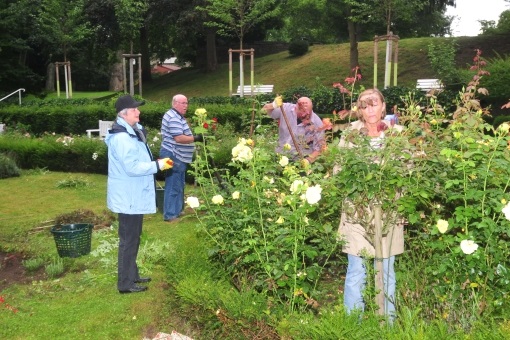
pixel 160 199
pixel 72 240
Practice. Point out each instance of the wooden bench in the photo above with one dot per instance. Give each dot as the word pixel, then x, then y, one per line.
pixel 104 126
pixel 426 85
pixel 257 89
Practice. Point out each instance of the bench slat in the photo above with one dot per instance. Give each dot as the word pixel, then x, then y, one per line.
pixel 428 84
pixel 257 89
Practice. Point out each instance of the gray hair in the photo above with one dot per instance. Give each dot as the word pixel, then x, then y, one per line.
pixel 123 112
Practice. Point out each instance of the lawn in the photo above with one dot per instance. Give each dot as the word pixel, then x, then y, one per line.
pixel 84 302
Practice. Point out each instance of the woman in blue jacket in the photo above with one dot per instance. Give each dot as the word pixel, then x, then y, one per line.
pixel 131 187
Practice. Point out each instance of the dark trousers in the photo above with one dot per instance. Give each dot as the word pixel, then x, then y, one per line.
pixel 130 229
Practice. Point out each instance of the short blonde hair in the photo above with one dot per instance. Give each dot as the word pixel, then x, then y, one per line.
pixel 367 92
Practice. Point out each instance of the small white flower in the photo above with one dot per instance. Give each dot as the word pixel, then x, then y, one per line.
pixel 468 246
pixel 504 127
pixel 155 139
pixel 313 194
pixel 217 199
pixel 192 202
pixel 284 161
pixel 236 195
pixel 269 180
pixel 506 211
pixel 241 152
pixel 442 226
pixel 296 186
pixel 95 155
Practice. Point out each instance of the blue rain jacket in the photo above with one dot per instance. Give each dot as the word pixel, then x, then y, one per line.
pixel 131 169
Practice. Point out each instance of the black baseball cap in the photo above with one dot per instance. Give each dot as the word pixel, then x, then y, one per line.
pixel 127 102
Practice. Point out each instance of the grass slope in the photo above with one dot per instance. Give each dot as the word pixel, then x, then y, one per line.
pixel 324 64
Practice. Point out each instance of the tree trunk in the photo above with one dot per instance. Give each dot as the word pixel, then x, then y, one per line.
pixel 353 44
pixel 117 75
pixel 50 77
pixel 212 59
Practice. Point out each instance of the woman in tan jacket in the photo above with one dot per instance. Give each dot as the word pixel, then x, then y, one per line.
pixel 358 244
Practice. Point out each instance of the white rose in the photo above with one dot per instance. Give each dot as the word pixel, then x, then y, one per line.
pixel 506 211
pixel 468 246
pixel 296 186
pixel 236 195
pixel 192 202
pixel 442 226
pixel 313 194
pixel 284 161
pixel 217 199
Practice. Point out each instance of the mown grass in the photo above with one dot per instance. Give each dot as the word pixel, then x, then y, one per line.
pixel 84 303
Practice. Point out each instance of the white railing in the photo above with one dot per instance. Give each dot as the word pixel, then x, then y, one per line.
pixel 18 90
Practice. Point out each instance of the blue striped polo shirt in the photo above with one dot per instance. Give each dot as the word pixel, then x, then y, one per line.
pixel 174 124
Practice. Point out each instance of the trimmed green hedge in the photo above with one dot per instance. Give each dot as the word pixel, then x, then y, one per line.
pixel 74 117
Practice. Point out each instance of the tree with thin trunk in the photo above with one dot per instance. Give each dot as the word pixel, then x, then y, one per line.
pixel 237 17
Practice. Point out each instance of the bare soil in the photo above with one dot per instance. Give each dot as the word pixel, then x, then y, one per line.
pixel 12 271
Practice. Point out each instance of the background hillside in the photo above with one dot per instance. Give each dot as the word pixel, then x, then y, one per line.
pixel 324 64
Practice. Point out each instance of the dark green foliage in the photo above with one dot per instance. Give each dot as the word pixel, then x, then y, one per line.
pixel 497 81
pixel 56 153
pixel 8 167
pixel 500 120
pixel 298 47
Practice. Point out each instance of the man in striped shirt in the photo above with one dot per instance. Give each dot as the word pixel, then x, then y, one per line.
pixel 178 144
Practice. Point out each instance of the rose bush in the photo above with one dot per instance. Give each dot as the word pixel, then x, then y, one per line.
pixel 447 174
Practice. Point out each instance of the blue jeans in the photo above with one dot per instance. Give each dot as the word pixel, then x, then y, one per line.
pixel 174 187
pixel 355 284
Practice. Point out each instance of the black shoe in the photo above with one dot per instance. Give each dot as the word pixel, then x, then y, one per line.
pixel 134 289
pixel 143 280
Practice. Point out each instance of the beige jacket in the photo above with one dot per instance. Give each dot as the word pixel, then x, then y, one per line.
pixel 355 237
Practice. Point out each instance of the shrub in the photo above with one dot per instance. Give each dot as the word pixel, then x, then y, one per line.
pixel 497 82
pixel 298 48
pixel 32 265
pixel 8 167
pixel 55 269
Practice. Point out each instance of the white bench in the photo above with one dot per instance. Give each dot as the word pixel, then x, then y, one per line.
pixel 257 89
pixel 104 126
pixel 426 85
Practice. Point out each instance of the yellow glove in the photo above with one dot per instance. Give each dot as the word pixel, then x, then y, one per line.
pixel 278 101
pixel 165 164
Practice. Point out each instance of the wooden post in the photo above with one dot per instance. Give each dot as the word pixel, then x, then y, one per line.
pixel 391 53
pixel 140 75
pixel 241 70
pixel 132 60
pixel 229 71
pixel 70 81
pixel 124 80
pixel 252 70
pixel 376 46
pixel 241 73
pixel 131 77
pixel 395 64
pixel 379 282
pixel 58 80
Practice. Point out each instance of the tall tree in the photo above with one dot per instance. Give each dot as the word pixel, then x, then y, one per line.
pixel 61 25
pixel 19 60
pixel 237 17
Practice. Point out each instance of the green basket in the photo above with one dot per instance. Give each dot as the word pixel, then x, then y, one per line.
pixel 160 199
pixel 72 240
